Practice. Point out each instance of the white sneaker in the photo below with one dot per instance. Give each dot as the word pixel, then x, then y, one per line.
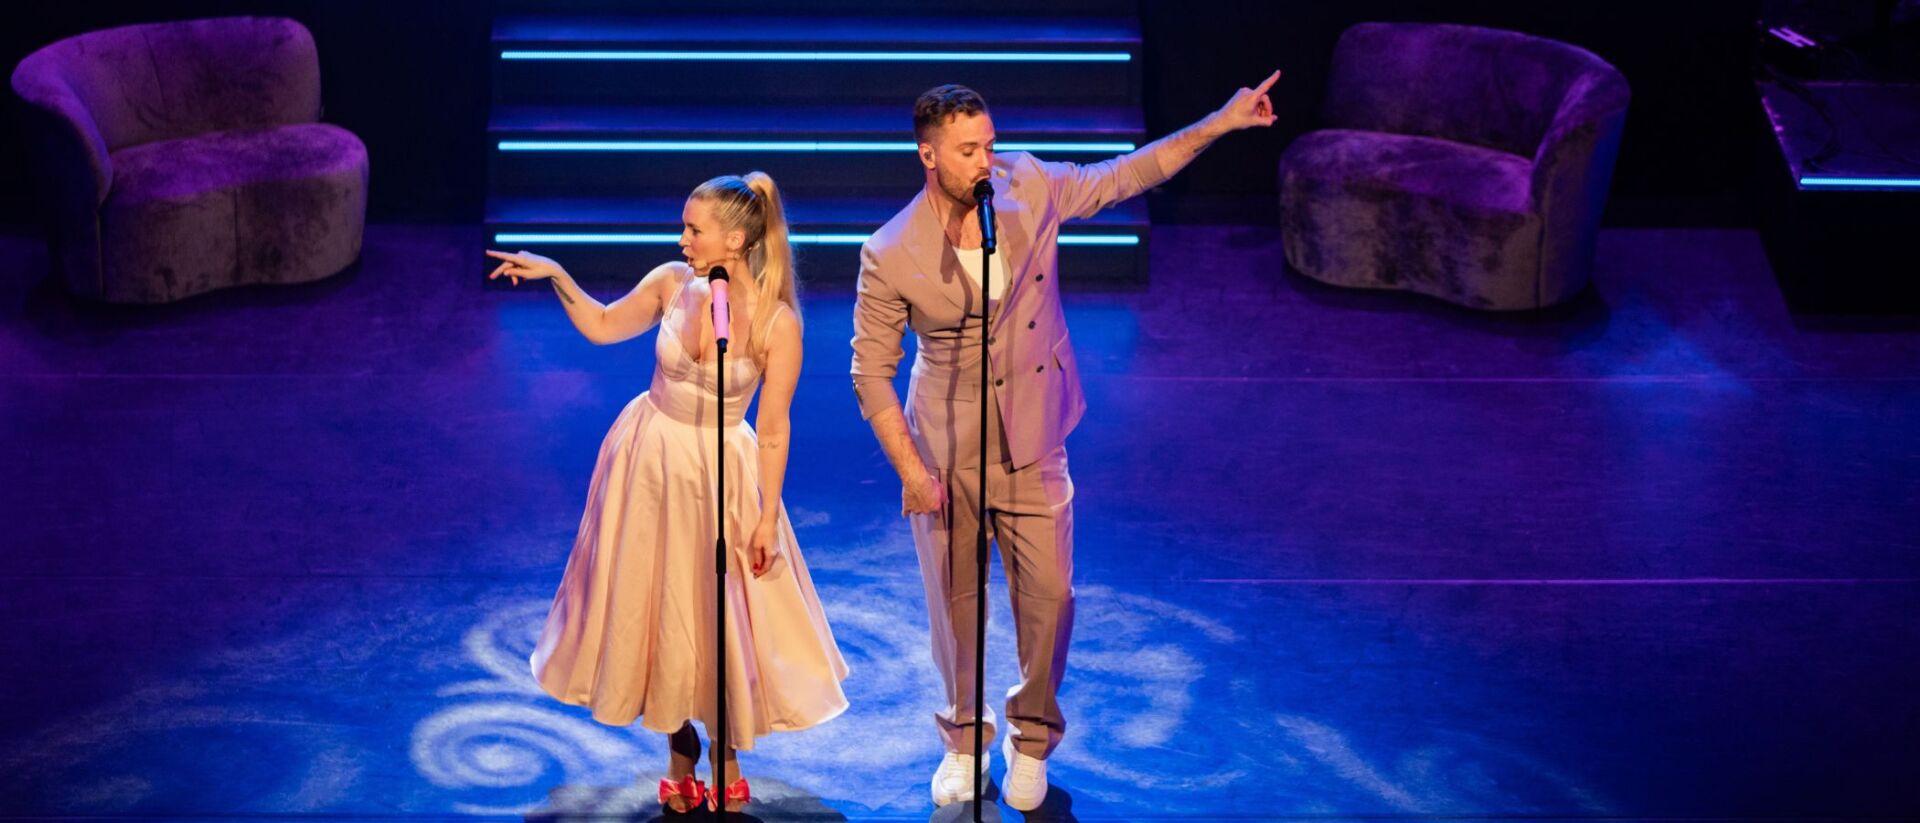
pixel 950 781
pixel 1025 785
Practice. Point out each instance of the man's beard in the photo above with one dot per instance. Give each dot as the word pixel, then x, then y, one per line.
pixel 957 189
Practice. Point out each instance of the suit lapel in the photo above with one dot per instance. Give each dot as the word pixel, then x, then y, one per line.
pixel 1012 249
pixel 939 262
pixel 927 243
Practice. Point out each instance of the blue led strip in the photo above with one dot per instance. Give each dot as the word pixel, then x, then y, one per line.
pixel 1099 240
pixel 781 145
pixel 1861 182
pixel 832 56
pixel 614 238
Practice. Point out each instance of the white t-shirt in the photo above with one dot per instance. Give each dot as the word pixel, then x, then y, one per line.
pixel 970 260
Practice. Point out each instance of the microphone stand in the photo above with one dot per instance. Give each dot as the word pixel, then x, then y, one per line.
pixel 719 733
pixel 983 195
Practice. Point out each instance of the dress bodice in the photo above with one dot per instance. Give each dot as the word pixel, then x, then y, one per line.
pixel 684 387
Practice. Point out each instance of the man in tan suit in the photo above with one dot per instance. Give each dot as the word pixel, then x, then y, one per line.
pixel 922 269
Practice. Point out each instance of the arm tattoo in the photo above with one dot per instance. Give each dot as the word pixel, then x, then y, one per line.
pixel 562 291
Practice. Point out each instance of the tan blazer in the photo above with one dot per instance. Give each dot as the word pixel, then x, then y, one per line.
pixel 910 276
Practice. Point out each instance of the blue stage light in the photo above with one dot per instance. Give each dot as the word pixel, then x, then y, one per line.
pixel 1861 182
pixel 831 56
pixel 784 146
pixel 608 238
pixel 1099 240
pixel 616 238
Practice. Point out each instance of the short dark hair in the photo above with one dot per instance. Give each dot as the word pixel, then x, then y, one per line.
pixel 937 104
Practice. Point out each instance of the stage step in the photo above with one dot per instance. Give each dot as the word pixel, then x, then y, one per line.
pixel 813 60
pixel 732 10
pixel 818 151
pixel 604 120
pixel 827 121
pixel 856 32
pixel 605 239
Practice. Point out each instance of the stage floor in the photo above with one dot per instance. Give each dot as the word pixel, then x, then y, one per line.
pixel 1339 554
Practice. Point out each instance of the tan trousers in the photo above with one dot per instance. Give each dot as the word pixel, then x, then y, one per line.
pixel 1030 519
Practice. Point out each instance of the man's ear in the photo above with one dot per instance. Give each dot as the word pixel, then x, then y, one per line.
pixel 926 155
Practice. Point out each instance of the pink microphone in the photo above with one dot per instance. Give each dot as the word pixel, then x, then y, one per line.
pixel 722 315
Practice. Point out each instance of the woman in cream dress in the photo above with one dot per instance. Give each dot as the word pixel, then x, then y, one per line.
pixel 631 631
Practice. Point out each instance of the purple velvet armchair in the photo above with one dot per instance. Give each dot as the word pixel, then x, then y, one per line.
pixel 176 158
pixel 1464 163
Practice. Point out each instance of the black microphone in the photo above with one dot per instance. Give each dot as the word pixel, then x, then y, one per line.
pixel 983 194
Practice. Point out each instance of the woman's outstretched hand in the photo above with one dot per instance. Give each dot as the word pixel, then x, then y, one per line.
pixel 524 265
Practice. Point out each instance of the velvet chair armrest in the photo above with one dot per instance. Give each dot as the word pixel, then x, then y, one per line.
pixel 70 155
pixel 1572 171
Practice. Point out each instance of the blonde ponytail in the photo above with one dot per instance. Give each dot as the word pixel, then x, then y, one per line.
pixel 772 257
pixel 752 204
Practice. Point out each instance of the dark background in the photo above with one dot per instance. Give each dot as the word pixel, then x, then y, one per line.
pixel 411 80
